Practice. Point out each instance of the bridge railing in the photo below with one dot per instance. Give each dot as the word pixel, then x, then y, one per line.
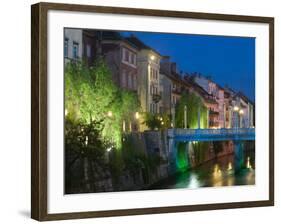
pixel 221 131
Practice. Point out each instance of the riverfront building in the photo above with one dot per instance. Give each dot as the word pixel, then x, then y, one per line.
pixel 159 85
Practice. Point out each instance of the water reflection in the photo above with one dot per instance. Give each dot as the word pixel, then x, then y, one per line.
pixel 215 173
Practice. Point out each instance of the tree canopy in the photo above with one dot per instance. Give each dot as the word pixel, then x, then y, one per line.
pixel 91 94
pixel 193 104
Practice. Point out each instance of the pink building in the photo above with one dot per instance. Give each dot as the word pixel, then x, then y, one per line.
pixel 218 94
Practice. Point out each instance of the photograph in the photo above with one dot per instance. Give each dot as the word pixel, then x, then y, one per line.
pixel 157 111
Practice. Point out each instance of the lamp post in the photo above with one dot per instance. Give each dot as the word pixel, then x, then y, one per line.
pixel 236 109
pixel 185 117
pixel 241 112
pixel 199 117
pixel 173 115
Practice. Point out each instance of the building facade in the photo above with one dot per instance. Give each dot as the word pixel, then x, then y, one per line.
pixel 121 57
pixel 81 45
pixel 217 92
pixel 141 69
pixel 148 78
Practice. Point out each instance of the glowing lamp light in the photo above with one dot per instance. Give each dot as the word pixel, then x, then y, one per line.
pixel 109 114
pixel 241 112
pixel 65 112
pixel 162 123
pixel 137 115
pixel 229 166
pixel 152 57
pixel 236 108
pixel 109 149
pixel 248 165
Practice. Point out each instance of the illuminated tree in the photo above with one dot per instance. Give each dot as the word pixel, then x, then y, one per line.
pixel 193 104
pixel 156 121
pixel 90 94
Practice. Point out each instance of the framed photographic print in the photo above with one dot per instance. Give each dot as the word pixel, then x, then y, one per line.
pixel 138 111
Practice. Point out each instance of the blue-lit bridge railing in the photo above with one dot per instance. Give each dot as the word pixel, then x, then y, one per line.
pixel 223 134
pixel 237 135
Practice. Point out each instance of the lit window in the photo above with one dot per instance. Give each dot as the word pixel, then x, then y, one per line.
pixel 66 47
pixel 75 50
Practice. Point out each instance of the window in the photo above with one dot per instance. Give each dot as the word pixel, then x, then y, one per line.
pixel 131 57
pixel 135 81
pixel 135 59
pixel 126 55
pixel 123 54
pixel 66 47
pixel 124 79
pixel 75 50
pixel 88 50
pixel 130 81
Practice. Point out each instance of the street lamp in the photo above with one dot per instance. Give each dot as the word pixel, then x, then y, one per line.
pixel 152 57
pixel 236 112
pixel 109 114
pixel 185 117
pixel 241 112
pixel 137 115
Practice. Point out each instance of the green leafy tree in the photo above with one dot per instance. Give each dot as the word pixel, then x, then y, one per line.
pixel 193 104
pixel 152 121
pixel 156 121
pixel 84 147
pixel 90 94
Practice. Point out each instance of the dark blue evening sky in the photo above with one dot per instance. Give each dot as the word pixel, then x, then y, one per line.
pixel 228 60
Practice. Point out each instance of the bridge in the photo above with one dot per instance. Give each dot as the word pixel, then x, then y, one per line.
pixel 223 134
pixel 186 136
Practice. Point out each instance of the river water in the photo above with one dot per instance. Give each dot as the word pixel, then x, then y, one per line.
pixel 214 173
